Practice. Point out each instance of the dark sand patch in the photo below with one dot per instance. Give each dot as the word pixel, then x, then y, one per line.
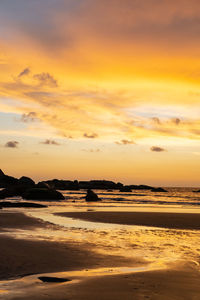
pixel 21 257
pixel 18 220
pixel 154 219
pixel 153 285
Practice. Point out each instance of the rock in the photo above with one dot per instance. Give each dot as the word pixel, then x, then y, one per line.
pixel 91 196
pixel 26 181
pixel 6 181
pixel 196 191
pixel 63 184
pixel 1 173
pixel 20 204
pixel 16 190
pixel 159 190
pixel 43 185
pixel 42 194
pixel 53 279
pixel 125 189
pixel 141 187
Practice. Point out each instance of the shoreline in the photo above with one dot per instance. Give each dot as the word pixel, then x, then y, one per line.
pixel 22 257
pixel 152 219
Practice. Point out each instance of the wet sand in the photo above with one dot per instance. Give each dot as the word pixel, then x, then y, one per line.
pixel 21 257
pixel 18 221
pixel 182 284
pixel 153 219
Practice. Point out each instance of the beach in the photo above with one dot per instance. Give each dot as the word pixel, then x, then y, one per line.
pixel 153 219
pixel 93 273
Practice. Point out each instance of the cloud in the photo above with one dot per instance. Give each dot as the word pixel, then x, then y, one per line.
pixel 156 120
pixel 25 72
pixel 46 79
pixel 12 144
pixel 50 142
pixel 90 136
pixel 29 117
pixel 91 150
pixel 176 121
pixel 125 142
pixel 157 149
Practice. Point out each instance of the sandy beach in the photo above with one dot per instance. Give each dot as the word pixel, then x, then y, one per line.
pixel 153 219
pixel 22 258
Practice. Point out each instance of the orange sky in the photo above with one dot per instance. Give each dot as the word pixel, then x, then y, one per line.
pixel 101 89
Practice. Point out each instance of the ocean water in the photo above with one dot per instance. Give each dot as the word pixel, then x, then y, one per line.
pixel 181 197
pixel 174 197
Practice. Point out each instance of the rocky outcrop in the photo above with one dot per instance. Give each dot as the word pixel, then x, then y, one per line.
pixel 26 181
pixel 125 189
pixel 99 185
pixel 91 196
pixel 42 194
pixel 159 190
pixel 6 181
pixel 42 185
pixel 62 184
pixel 140 187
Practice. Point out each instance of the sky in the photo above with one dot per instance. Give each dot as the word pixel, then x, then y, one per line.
pixel 96 89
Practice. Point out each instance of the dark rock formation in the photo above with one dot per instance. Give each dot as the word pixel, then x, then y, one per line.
pixel 91 196
pixel 42 194
pixel 196 191
pixel 159 190
pixel 26 181
pixel 8 204
pixel 6 181
pixel 63 184
pixel 99 185
pixel 12 191
pixel 42 185
pixel 125 189
pixel 53 279
pixel 140 187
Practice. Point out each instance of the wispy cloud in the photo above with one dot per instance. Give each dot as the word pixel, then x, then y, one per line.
pixel 29 117
pixel 46 79
pixel 91 150
pixel 12 144
pixel 25 72
pixel 50 142
pixel 125 142
pixel 90 135
pixel 157 149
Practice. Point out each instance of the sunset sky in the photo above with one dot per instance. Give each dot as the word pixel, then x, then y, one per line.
pixel 96 89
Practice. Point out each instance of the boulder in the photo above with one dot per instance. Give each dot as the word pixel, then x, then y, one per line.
pixel 42 194
pixel 141 187
pixel 6 181
pixel 26 181
pixel 91 196
pixel 158 190
pixel 125 189
pixel 53 279
pixel 16 190
pixel 43 185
